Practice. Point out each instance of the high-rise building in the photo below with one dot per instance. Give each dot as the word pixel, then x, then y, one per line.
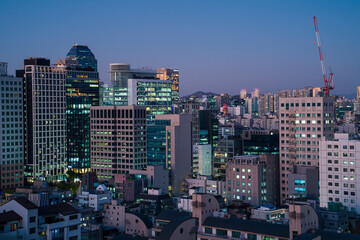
pixel 253 179
pixel 192 107
pixel 243 94
pixel 208 128
pixel 226 149
pixel 82 92
pixel 155 95
pixel 118 140
pixel 256 93
pixel 138 87
pixel 119 75
pixel 169 144
pixel 202 160
pixel 339 172
pixel 303 123
pixel 358 93
pixel 44 120
pixel 80 57
pixel 11 133
pixel 3 68
pixel 173 76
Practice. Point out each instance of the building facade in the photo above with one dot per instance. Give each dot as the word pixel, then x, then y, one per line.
pixel 253 179
pixel 118 140
pixel 82 92
pixel 173 76
pixel 11 133
pixel 169 144
pixel 303 123
pixel 339 172
pixel 44 120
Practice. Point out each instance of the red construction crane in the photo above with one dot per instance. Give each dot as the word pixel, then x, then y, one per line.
pixel 327 81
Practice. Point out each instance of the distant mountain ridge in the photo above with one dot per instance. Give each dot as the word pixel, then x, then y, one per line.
pixel 199 94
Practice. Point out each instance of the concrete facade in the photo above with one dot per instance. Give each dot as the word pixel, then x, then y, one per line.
pixel 118 140
pixel 340 172
pixel 303 123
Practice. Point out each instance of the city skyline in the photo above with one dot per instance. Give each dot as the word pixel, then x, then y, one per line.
pixel 240 44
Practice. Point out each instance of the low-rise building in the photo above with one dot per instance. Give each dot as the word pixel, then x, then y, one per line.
pixel 208 185
pixel 253 179
pixel 95 199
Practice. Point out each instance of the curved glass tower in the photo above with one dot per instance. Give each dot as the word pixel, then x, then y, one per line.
pixel 80 57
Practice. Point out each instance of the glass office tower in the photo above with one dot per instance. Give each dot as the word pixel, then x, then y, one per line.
pixel 82 92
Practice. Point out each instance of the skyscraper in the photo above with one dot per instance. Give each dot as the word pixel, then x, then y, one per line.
pixel 44 120
pixel 118 139
pixel 173 76
pixel 11 133
pixel 82 92
pixel 80 57
pixel 303 123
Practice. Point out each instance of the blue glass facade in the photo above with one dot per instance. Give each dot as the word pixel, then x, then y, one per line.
pixel 80 57
pixel 82 92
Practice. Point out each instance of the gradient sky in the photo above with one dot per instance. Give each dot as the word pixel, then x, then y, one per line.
pixel 219 46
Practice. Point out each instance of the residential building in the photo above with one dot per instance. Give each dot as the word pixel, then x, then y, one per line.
pixel 49 222
pixel 253 179
pixel 202 160
pixel 173 76
pixel 133 223
pixel 169 144
pixel 303 123
pixel 173 225
pixel 206 185
pixel 11 226
pixel 118 139
pixel 339 171
pixel 44 120
pixel 12 132
pixel 95 199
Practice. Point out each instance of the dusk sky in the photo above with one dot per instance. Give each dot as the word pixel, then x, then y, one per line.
pixel 219 46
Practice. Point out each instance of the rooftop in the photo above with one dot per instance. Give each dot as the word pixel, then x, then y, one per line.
pixel 258 227
pixel 25 203
pixel 8 217
pixel 63 208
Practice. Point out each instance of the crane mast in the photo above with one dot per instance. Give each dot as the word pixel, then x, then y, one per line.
pixel 327 80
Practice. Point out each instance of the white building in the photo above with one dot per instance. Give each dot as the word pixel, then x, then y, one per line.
pixel 45 120
pixel 96 199
pixel 59 221
pixel 340 172
pixel 214 187
pixel 202 159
